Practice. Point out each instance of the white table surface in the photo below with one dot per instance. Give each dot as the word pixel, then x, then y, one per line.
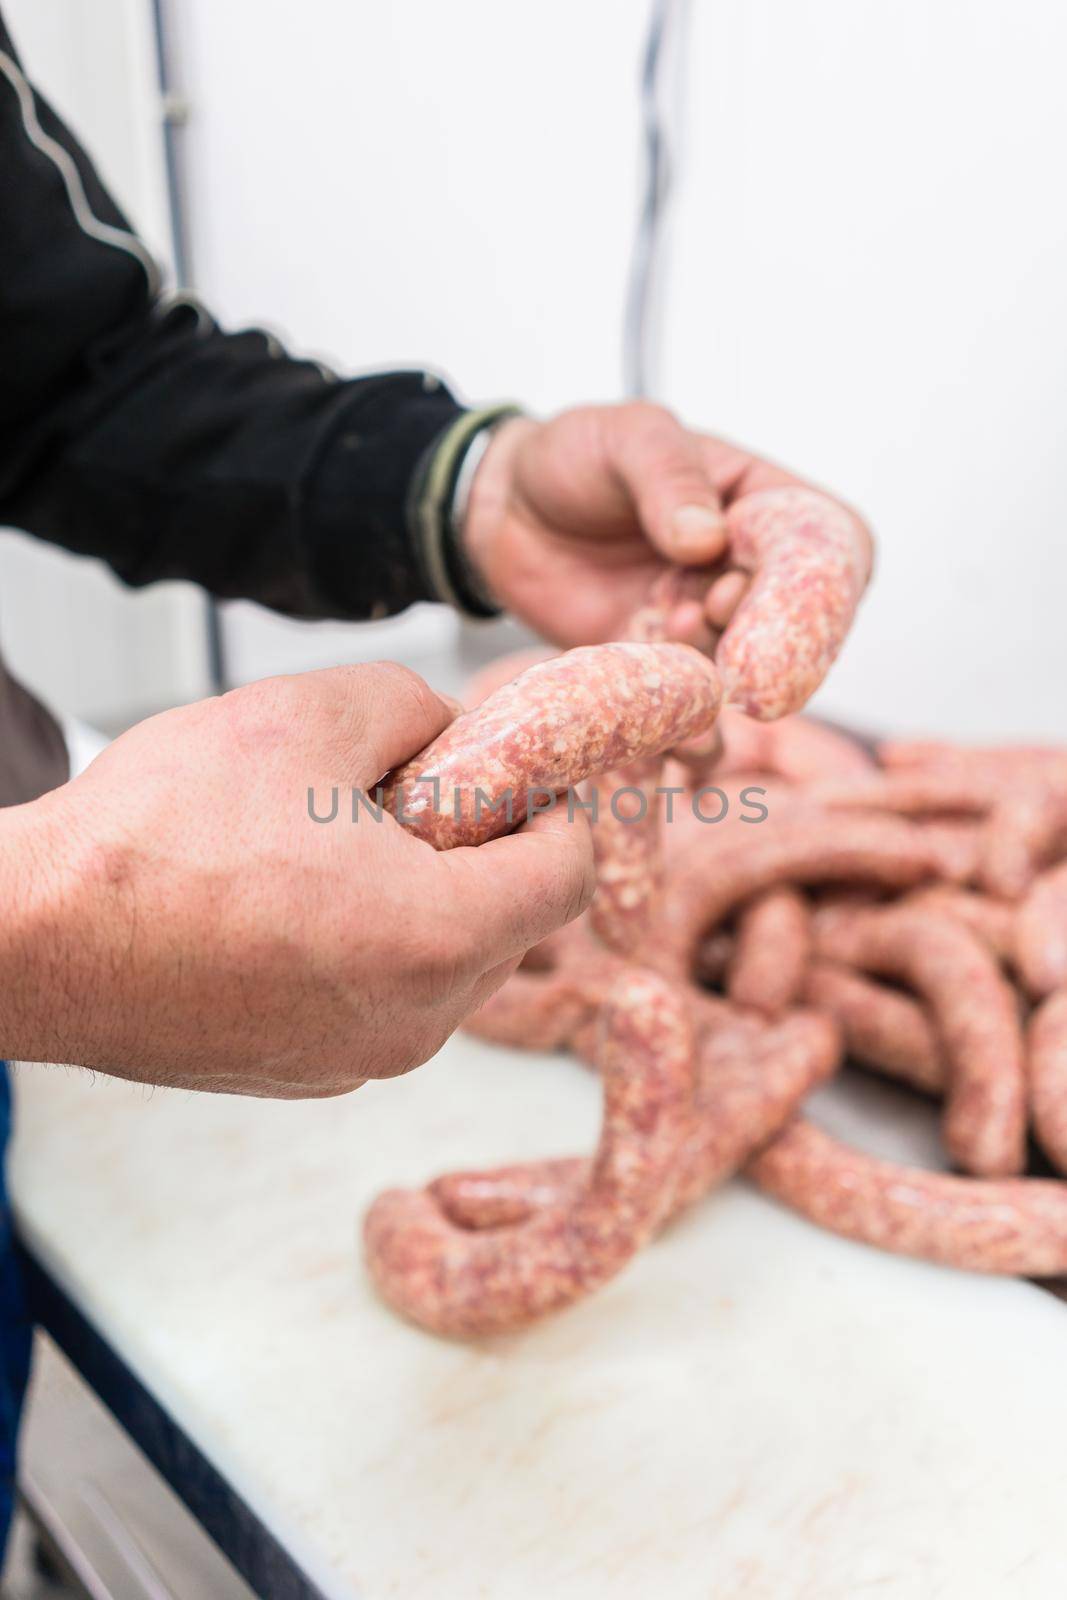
pixel 753 1409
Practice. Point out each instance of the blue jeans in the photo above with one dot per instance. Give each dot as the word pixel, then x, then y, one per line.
pixel 15 1331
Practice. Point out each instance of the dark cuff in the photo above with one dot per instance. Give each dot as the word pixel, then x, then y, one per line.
pixel 358 492
pixel 435 513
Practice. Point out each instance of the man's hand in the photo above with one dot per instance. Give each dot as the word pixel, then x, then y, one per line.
pixel 571 520
pixel 175 915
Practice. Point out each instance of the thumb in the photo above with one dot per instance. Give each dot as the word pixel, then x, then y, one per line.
pixel 384 714
pixel 519 889
pixel 661 466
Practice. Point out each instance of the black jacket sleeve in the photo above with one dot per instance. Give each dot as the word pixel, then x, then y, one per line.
pixel 144 434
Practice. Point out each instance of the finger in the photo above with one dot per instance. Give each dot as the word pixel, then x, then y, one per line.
pixel 735 471
pixel 702 752
pixel 509 894
pixel 724 596
pixel 661 466
pixel 385 714
pixel 687 624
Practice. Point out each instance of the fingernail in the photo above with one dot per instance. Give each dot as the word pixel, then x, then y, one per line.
pixel 694 525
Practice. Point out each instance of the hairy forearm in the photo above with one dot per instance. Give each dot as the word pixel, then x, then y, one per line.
pixel 30 982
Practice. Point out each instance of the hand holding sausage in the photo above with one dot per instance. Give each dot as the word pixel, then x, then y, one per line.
pixel 571 522
pixel 187 922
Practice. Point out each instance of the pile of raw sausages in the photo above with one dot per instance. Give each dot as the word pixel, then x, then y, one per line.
pixel 773 896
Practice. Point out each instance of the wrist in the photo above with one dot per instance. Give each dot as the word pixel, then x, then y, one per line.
pixel 487 501
pixel 437 509
pixel 40 892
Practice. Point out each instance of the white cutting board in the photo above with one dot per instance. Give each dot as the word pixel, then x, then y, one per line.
pixel 753 1409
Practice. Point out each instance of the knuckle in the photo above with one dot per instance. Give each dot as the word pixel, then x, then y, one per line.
pixel 649 416
pixel 266 709
pixel 405 686
pixel 639 427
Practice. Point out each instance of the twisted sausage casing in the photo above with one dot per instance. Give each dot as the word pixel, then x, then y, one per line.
pixel 561 721
pixel 455 1281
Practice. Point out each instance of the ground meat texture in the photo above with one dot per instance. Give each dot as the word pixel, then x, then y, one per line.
pixel 815 849
pixel 629 851
pixel 1022 833
pixel 909 792
pixel 1041 933
pixel 883 1028
pixel 651 623
pixel 771 951
pixel 1016 1226
pixel 810 561
pixel 990 918
pixel 463 1283
pixel 974 1010
pixel 751 1077
pixel 1047 1064
pixel 991 764
pixel 749 1083
pixel 533 1011
pixel 508 1196
pixel 954 846
pixel 546 1006
pixel 799 749
pixel 588 711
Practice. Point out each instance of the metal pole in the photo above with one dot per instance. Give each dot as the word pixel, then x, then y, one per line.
pixel 175 118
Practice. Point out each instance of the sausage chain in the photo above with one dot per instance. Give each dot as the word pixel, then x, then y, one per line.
pixel 905 906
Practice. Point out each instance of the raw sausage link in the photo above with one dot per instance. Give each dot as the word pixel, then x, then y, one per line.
pixel 1014 1225
pixel 750 1080
pixel 533 1011
pixel 463 1283
pixel 561 721
pixel 975 1013
pixel 909 793
pixel 1047 1061
pixel 954 846
pixel 748 1085
pixel 883 1028
pixel 771 951
pixel 798 749
pixel 627 834
pixel 991 918
pixel 992 765
pixel 810 560
pixel 1021 835
pixel 881 850
pixel 629 851
pixel 1041 933
pixel 507 1196
pixel 547 1009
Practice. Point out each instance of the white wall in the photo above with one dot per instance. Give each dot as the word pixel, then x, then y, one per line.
pixel 869 281
pixel 868 264
pixel 87 644
pixel 449 184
